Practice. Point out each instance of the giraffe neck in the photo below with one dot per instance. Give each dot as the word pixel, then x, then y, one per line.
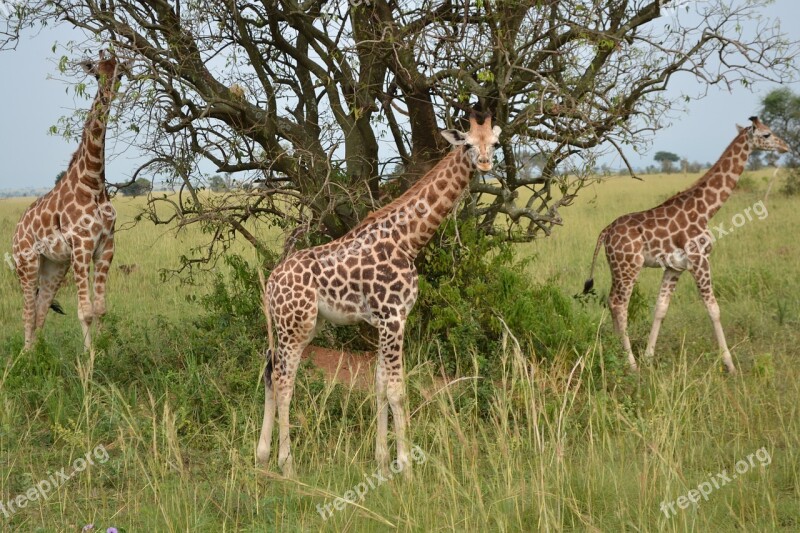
pixel 87 167
pixel 413 218
pixel 716 186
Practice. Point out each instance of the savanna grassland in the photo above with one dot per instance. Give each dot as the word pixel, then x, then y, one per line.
pixel 560 437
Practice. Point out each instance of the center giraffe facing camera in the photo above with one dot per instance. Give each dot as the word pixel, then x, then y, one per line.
pixel 367 275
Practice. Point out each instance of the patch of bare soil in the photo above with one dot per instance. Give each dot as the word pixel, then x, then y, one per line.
pixel 357 370
pixel 350 369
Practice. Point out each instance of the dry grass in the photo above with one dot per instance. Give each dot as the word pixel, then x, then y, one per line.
pixel 572 445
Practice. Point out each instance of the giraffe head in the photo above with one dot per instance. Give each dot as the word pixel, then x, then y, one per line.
pixel 479 142
pixel 107 70
pixel 761 137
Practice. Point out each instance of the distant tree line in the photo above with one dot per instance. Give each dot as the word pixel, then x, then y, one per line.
pixel 780 109
pixel 140 187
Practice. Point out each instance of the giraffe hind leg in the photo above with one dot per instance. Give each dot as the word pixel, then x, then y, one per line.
pixel 295 324
pixel 287 363
pixel 81 262
pixel 28 272
pixel 624 272
pixel 265 439
pixel 51 276
pixel 102 263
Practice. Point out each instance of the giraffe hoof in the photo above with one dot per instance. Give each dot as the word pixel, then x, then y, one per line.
pixel 262 455
pixel 99 310
pixel 287 469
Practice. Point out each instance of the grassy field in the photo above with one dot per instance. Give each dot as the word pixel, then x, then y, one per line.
pixel 169 414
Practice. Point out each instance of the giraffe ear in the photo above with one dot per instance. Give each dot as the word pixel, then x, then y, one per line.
pixel 127 66
pixel 497 130
pixel 739 128
pixel 88 67
pixel 454 137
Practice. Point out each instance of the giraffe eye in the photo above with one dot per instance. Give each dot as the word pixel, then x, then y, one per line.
pixel 468 146
pixel 767 135
pixel 496 145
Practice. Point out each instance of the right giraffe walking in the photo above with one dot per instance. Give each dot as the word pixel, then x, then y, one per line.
pixel 675 236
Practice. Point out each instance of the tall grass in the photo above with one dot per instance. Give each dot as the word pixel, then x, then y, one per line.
pixel 575 443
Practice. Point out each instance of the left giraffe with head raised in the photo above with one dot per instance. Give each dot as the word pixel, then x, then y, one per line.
pixel 73 224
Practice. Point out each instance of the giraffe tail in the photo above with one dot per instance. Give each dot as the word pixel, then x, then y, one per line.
pixel 270 355
pixel 55 306
pixel 589 283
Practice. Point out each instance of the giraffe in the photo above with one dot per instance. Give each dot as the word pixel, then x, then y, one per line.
pixel 675 236
pixel 73 224
pixel 366 275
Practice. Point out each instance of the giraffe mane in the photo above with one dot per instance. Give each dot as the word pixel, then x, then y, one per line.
pixel 410 192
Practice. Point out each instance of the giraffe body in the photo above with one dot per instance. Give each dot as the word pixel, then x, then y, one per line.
pixel 674 236
pixel 73 224
pixel 368 275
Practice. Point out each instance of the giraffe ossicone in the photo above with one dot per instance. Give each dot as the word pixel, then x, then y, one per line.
pixel 367 275
pixel 73 224
pixel 675 236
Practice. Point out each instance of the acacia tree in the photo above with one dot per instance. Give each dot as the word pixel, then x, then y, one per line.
pixel 139 187
pixel 313 100
pixel 780 109
pixel 666 159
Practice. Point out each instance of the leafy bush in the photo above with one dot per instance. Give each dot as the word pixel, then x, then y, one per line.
pixel 235 299
pixel 747 183
pixel 791 187
pixel 473 292
pixel 472 287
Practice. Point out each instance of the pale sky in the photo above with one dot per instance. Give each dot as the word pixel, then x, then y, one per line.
pixel 35 96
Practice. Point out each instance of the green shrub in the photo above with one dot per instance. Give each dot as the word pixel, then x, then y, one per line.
pixel 472 287
pixel 791 187
pixel 747 183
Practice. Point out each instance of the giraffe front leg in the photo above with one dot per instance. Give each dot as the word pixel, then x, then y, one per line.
pixel 668 284
pixel 391 357
pixel 701 272
pixel 81 260
pixel 103 257
pixel 381 436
